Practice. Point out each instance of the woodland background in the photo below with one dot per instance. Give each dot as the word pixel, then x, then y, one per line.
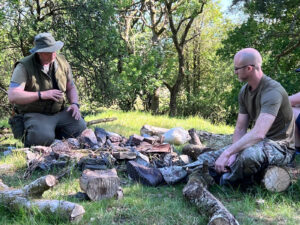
pixel 161 56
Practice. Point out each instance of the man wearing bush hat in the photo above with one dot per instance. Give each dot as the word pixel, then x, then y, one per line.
pixel 38 87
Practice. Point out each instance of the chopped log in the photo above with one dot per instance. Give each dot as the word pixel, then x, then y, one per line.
pixel 152 131
pixel 100 184
pixel 194 151
pixel 103 120
pixel 64 209
pixel 194 138
pixel 276 179
pixel 196 191
pixel 124 155
pixel 38 187
pixel 16 199
pixel 157 148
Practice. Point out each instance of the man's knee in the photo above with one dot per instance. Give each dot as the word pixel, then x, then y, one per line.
pixel 252 159
pixel 39 137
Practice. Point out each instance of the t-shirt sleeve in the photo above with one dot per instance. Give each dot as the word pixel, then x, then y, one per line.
pixel 271 102
pixel 19 74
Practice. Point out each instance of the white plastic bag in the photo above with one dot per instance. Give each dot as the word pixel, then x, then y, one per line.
pixel 176 136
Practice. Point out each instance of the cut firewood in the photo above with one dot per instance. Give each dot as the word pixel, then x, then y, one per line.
pixel 100 184
pixel 194 138
pixel 103 120
pixel 124 155
pixel 15 199
pixel 38 187
pixel 157 148
pixel 196 191
pixel 276 179
pixel 152 131
pixel 194 151
pixel 64 209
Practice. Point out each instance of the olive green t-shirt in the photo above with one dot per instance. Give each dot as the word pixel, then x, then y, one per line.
pixel 270 97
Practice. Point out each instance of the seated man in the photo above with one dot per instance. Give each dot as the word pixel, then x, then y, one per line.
pixel 295 102
pixel 265 103
pixel 38 87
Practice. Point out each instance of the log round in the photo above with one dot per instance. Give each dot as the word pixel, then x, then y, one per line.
pixel 39 186
pixel 276 179
pixel 100 184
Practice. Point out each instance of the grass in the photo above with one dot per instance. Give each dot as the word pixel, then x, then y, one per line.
pixel 152 205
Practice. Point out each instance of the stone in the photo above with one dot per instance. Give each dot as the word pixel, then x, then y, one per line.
pixel 173 174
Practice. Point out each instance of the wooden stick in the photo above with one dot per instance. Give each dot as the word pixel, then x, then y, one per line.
pixel 100 121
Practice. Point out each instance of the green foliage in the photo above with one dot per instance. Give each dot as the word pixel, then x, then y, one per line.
pixel 273 29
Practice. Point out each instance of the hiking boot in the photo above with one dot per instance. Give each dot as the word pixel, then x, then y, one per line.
pixel 145 175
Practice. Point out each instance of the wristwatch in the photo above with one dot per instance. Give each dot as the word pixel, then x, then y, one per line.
pixel 74 103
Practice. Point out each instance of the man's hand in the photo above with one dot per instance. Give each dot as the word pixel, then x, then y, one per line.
pixel 222 162
pixel 75 111
pixel 231 159
pixel 52 94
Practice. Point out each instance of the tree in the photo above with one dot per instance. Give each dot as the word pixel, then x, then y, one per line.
pixel 272 27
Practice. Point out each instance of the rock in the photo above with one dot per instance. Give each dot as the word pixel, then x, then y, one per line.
pixel 73 143
pixel 60 146
pixel 173 174
pixel 135 140
pixel 88 139
pixel 185 159
pixel 145 175
pixel 114 137
pixel 101 135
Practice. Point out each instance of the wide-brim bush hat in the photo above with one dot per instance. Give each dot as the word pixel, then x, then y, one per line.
pixel 45 42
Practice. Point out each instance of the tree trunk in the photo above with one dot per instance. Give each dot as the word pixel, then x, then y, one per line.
pixel 155 102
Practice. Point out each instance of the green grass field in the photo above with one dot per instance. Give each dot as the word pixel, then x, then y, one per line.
pixel 151 205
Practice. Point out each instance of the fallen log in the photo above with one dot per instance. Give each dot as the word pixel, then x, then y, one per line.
pixel 152 131
pixel 196 191
pixel 100 121
pixel 16 199
pixel 276 179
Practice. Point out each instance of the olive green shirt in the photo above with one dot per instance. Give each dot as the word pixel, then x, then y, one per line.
pixel 270 97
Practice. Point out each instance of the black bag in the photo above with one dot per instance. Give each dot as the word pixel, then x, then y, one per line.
pixel 17 125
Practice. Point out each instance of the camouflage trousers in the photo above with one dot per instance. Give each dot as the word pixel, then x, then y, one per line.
pixel 250 162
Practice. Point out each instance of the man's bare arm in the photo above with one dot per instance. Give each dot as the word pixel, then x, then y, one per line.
pixel 241 127
pixel 258 133
pixel 72 96
pixel 71 92
pixel 17 95
pixel 295 99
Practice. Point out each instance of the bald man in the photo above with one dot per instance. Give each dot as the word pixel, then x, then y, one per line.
pixel 263 103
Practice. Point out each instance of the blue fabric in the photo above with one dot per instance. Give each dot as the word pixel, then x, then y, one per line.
pixel 298 122
pixel 14 84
